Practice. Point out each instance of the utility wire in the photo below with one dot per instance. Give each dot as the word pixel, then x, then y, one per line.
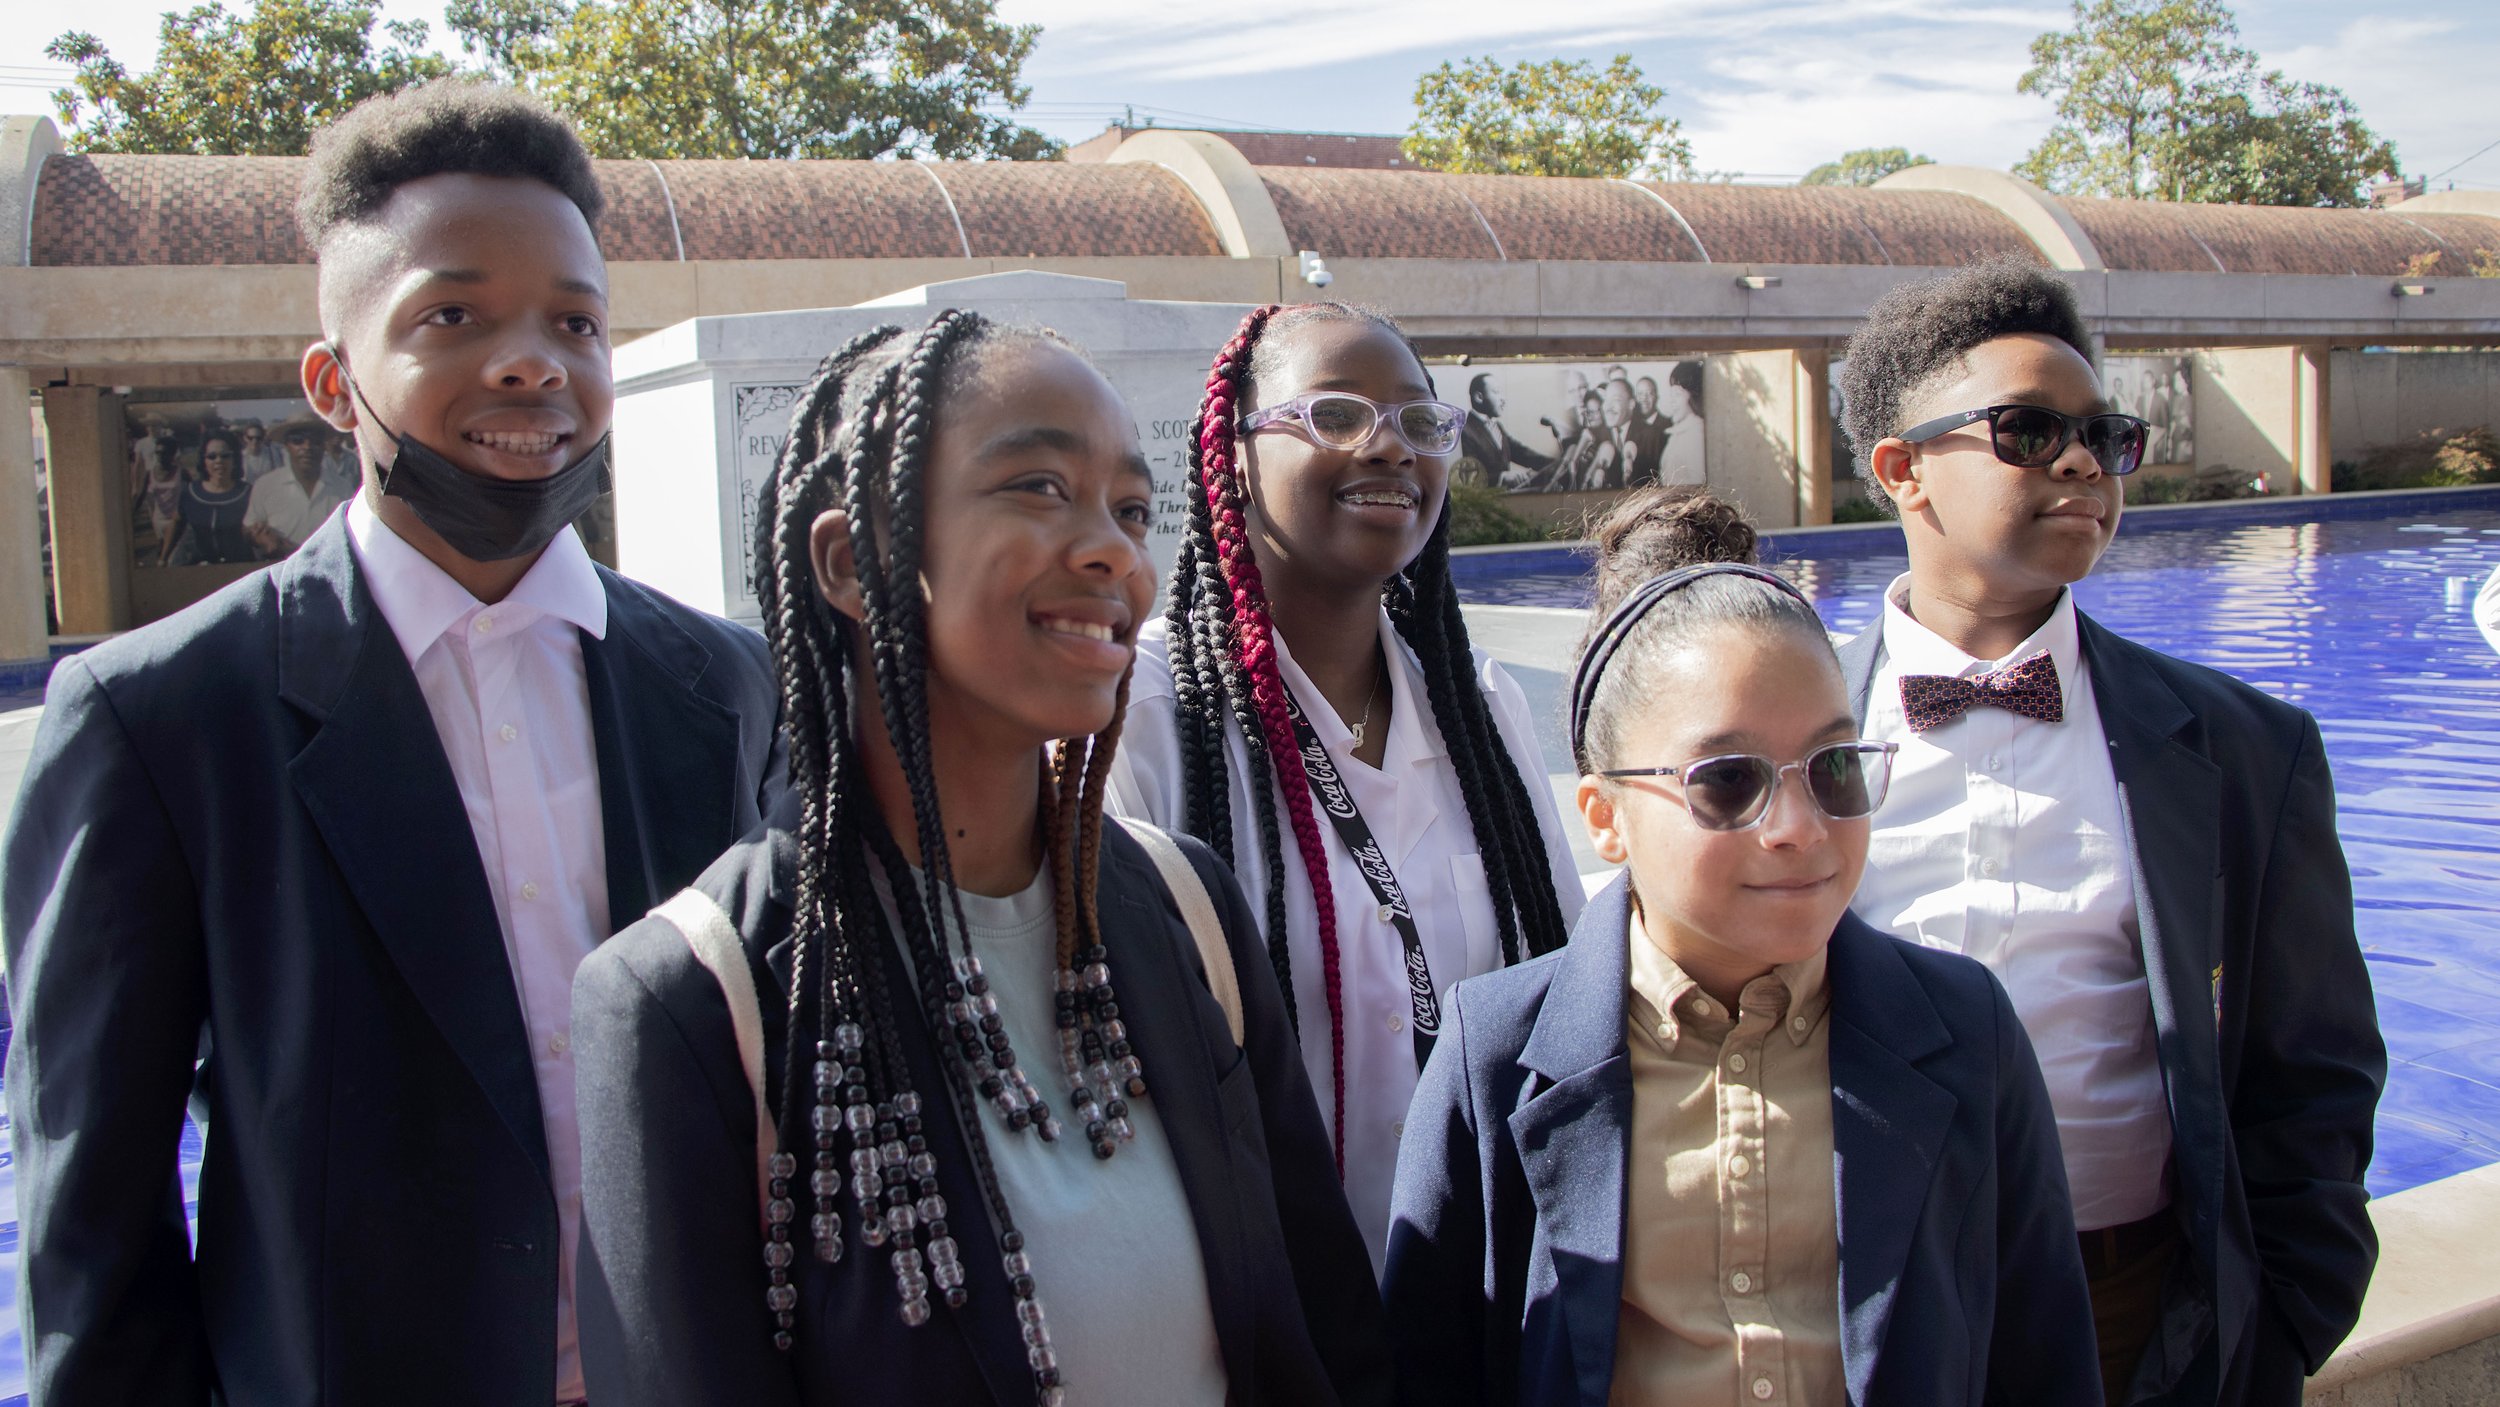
pixel 2495 142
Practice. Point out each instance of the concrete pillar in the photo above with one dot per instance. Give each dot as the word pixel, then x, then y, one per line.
pixel 1813 442
pixel 2313 432
pixel 21 537
pixel 2247 404
pixel 90 509
pixel 1758 436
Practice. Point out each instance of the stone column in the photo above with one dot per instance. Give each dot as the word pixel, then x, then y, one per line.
pixel 2313 432
pixel 90 509
pixel 1813 442
pixel 1765 430
pixel 21 541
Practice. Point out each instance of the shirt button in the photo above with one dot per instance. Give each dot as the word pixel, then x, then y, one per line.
pixel 1736 1062
pixel 1701 1006
pixel 1738 1166
pixel 1741 1283
pixel 1763 1387
pixel 1398 1129
pixel 1987 867
pixel 1387 914
pixel 1666 1030
pixel 485 624
pixel 1396 1024
pixel 507 732
pixel 1993 762
pixel 529 889
pixel 559 1043
pixel 1796 1023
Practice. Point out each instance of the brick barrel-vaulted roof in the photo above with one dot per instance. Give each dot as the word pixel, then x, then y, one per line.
pixel 123 210
pixel 1841 225
pixel 140 210
pixel 1418 215
pixel 2161 237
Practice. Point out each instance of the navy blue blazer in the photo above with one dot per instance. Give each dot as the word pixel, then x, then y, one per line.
pixel 240 838
pixel 672 1268
pixel 1960 1281
pixel 2269 1040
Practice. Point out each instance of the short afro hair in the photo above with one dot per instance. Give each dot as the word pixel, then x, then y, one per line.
pixel 1922 328
pixel 448 125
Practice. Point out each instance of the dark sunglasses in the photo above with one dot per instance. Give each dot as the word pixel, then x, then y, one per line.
pixel 2033 436
pixel 1733 792
pixel 1344 420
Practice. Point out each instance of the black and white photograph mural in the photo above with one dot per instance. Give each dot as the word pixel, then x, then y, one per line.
pixel 2156 388
pixel 1576 427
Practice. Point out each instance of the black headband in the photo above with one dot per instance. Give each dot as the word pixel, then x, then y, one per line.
pixel 1609 637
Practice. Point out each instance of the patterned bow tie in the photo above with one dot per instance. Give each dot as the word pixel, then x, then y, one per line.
pixel 2029 689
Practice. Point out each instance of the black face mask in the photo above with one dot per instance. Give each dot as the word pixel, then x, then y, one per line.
pixel 481 517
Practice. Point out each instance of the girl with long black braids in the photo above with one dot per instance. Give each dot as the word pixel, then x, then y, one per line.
pixel 1311 708
pixel 922 1093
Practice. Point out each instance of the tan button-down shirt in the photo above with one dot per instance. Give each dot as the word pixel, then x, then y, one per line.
pixel 1731 1249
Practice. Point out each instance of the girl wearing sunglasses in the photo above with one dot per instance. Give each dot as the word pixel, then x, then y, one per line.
pixel 1310 706
pixel 1731 1144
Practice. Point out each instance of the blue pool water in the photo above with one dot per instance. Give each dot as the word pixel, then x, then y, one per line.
pixel 2360 611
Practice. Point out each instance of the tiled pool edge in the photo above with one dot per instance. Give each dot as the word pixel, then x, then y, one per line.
pixel 2287 505
pixel 2430 1327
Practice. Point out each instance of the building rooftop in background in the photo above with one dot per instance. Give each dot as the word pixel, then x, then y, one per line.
pixel 1365 151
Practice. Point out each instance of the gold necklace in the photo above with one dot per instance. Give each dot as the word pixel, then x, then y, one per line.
pixel 1365 721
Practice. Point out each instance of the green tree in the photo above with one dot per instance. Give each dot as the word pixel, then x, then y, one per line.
pixel 767 78
pixel 250 84
pixel 1865 166
pixel 2156 100
pixel 1544 119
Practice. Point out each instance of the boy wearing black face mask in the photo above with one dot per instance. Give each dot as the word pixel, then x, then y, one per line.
pixel 453 755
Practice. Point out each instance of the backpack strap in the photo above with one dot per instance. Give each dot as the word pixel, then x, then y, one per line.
pixel 1198 911
pixel 715 942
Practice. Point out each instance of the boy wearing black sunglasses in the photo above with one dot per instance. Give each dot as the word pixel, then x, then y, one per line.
pixel 2143 849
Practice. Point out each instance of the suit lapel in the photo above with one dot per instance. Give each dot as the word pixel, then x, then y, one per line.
pixel 1888 1126
pixel 2170 798
pixel 378 786
pixel 1573 1137
pixel 664 747
pixel 1860 656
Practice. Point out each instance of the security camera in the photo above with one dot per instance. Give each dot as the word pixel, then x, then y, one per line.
pixel 1315 270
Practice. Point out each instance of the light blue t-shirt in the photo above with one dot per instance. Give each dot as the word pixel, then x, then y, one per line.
pixel 1116 1263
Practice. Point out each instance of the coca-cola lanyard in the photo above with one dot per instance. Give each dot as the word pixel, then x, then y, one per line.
pixel 1360 843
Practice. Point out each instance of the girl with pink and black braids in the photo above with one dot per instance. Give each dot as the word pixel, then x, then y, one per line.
pixel 1313 633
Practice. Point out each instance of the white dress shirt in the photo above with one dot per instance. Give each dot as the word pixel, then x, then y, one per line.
pixel 1413 805
pixel 282 504
pixel 2002 838
pixel 511 703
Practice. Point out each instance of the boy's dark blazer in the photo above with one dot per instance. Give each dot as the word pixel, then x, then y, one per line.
pixel 673 1279
pixel 1960 1281
pixel 2268 1036
pixel 239 827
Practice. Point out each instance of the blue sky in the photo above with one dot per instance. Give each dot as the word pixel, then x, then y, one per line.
pixel 1766 88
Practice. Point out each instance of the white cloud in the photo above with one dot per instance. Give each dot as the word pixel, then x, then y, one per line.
pixel 2407 75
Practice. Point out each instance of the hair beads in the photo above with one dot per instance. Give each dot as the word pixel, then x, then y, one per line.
pixel 859 441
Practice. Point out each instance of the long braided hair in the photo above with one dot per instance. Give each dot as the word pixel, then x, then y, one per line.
pixel 1222 650
pixel 859 441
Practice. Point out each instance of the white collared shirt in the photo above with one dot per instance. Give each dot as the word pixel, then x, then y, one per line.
pixel 2002 838
pixel 1413 805
pixel 283 505
pixel 511 703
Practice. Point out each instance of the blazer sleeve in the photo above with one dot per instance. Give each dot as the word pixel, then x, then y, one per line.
pixel 107 977
pixel 2043 1351
pixel 1435 1286
pixel 1331 1270
pixel 2311 1069
pixel 670 1280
